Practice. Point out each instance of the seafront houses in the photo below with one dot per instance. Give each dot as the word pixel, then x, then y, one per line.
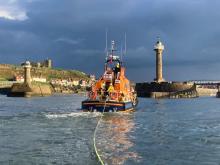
pixel 69 82
pixel 83 83
pixel 75 82
pixel 20 78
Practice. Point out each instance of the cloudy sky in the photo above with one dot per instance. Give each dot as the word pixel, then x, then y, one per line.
pixel 72 34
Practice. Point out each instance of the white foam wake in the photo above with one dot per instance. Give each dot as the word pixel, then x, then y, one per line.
pixel 73 114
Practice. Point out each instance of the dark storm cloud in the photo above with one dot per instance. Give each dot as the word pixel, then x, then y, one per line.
pixel 72 33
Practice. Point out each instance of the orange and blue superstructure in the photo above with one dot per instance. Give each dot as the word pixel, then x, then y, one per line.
pixel 113 92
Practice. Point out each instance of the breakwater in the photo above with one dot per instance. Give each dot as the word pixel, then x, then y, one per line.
pixel 166 90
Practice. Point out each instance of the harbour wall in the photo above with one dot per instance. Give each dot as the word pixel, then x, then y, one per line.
pixel 206 91
pixel 151 89
pixel 25 90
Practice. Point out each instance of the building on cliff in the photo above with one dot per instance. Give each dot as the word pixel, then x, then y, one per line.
pixel 20 78
pixel 43 64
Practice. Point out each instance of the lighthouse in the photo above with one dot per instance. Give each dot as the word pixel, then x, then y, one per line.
pixel 27 73
pixel 158 48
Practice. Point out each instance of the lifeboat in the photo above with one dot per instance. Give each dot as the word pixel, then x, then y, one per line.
pixel 113 92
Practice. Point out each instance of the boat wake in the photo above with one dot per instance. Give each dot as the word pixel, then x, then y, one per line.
pixel 73 114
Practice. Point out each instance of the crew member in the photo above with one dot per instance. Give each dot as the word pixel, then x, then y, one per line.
pixel 110 88
pixel 102 90
pixel 117 70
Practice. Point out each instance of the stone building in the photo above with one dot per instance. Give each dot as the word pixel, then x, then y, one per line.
pixel 44 64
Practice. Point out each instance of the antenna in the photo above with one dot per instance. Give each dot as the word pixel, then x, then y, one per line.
pixel 125 47
pixel 106 42
pixel 121 51
pixel 125 44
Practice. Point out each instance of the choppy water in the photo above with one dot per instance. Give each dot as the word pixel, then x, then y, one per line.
pixel 51 130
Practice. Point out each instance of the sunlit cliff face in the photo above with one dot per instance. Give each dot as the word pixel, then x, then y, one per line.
pixel 114 139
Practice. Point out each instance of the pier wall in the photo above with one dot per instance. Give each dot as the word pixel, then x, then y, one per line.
pixel 25 90
pixel 146 89
pixel 159 94
pixel 206 91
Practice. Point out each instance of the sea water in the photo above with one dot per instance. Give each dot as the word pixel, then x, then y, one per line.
pixel 53 130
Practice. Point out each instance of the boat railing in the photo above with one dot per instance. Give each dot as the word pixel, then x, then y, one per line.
pixel 112 96
pixel 92 95
pixel 119 96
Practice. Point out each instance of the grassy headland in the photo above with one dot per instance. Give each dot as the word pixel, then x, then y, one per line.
pixel 8 72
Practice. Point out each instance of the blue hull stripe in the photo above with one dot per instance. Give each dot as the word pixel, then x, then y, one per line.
pixel 109 106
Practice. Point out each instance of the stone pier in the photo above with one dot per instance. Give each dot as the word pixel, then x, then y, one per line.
pixel 29 88
pixel 166 90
